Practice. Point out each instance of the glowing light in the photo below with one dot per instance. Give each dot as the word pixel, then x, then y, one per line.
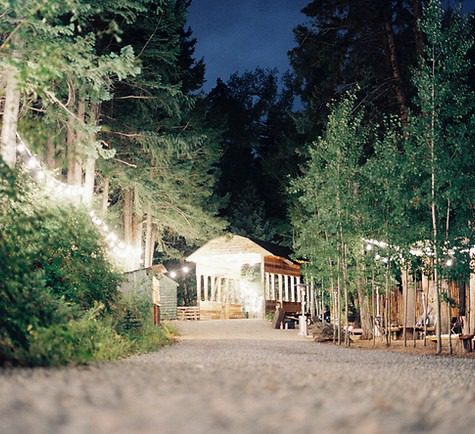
pixel 125 255
pixel 172 274
pixel 112 237
pixel 185 269
pixel 32 163
pixel 21 148
pixel 40 176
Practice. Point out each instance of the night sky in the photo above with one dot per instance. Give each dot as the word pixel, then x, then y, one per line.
pixel 239 35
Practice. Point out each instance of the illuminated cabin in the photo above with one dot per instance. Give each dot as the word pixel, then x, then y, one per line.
pixel 239 277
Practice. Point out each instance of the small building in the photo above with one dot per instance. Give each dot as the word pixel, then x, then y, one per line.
pixel 165 295
pixel 239 277
pixel 152 282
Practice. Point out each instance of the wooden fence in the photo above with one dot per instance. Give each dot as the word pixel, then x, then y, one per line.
pixel 188 313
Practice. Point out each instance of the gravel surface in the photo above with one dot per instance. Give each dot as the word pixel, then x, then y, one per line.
pixel 241 376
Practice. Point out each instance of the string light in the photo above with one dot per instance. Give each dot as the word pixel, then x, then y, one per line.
pixel 174 273
pixel 123 253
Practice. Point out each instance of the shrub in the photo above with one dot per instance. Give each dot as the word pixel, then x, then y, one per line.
pixel 87 339
pixel 53 265
pixel 59 302
pixel 133 319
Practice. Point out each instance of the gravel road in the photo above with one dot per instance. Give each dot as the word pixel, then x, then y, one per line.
pixel 241 376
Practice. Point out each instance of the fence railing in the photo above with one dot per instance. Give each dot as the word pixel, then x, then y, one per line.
pixel 188 313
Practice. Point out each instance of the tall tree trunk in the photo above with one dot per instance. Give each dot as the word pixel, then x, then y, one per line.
pixel 127 215
pixel 418 37
pixel 365 314
pixel 137 232
pixel 10 117
pixel 78 175
pixel 137 225
pixel 373 305
pixel 89 178
pixel 152 243
pixel 414 284
pixel 449 305
pixel 333 308
pixel 425 303
pixel 50 153
pixel 71 138
pixel 148 238
pixel 345 291
pixel 105 196
pixel 387 307
pixel 338 299
pixel 449 319
pixel 394 62
pixel 90 167
pixel 434 210
pixel 406 297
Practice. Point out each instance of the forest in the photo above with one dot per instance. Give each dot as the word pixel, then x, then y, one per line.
pixel 360 158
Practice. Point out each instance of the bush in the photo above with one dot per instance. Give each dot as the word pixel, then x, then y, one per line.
pixel 133 319
pixel 53 265
pixel 77 342
pixel 59 302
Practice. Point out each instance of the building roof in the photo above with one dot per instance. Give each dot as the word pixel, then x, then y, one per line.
pixel 275 249
pixel 231 244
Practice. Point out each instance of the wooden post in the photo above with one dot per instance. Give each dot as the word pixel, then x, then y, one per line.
pixel 198 288
pixel 213 288
pixel 286 285
pixel 219 291
pixel 206 281
pixel 272 286
pixel 471 304
pixel 292 288
pixel 281 287
pixel 267 286
pixel 313 305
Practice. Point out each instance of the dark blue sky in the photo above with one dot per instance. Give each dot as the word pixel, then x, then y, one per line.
pixel 239 35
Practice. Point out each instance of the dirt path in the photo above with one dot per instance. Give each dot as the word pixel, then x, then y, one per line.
pixel 243 377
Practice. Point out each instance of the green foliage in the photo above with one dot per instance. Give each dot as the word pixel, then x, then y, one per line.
pixel 53 266
pixel 77 341
pixel 327 212
pixel 132 317
pixel 258 140
pixel 344 42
